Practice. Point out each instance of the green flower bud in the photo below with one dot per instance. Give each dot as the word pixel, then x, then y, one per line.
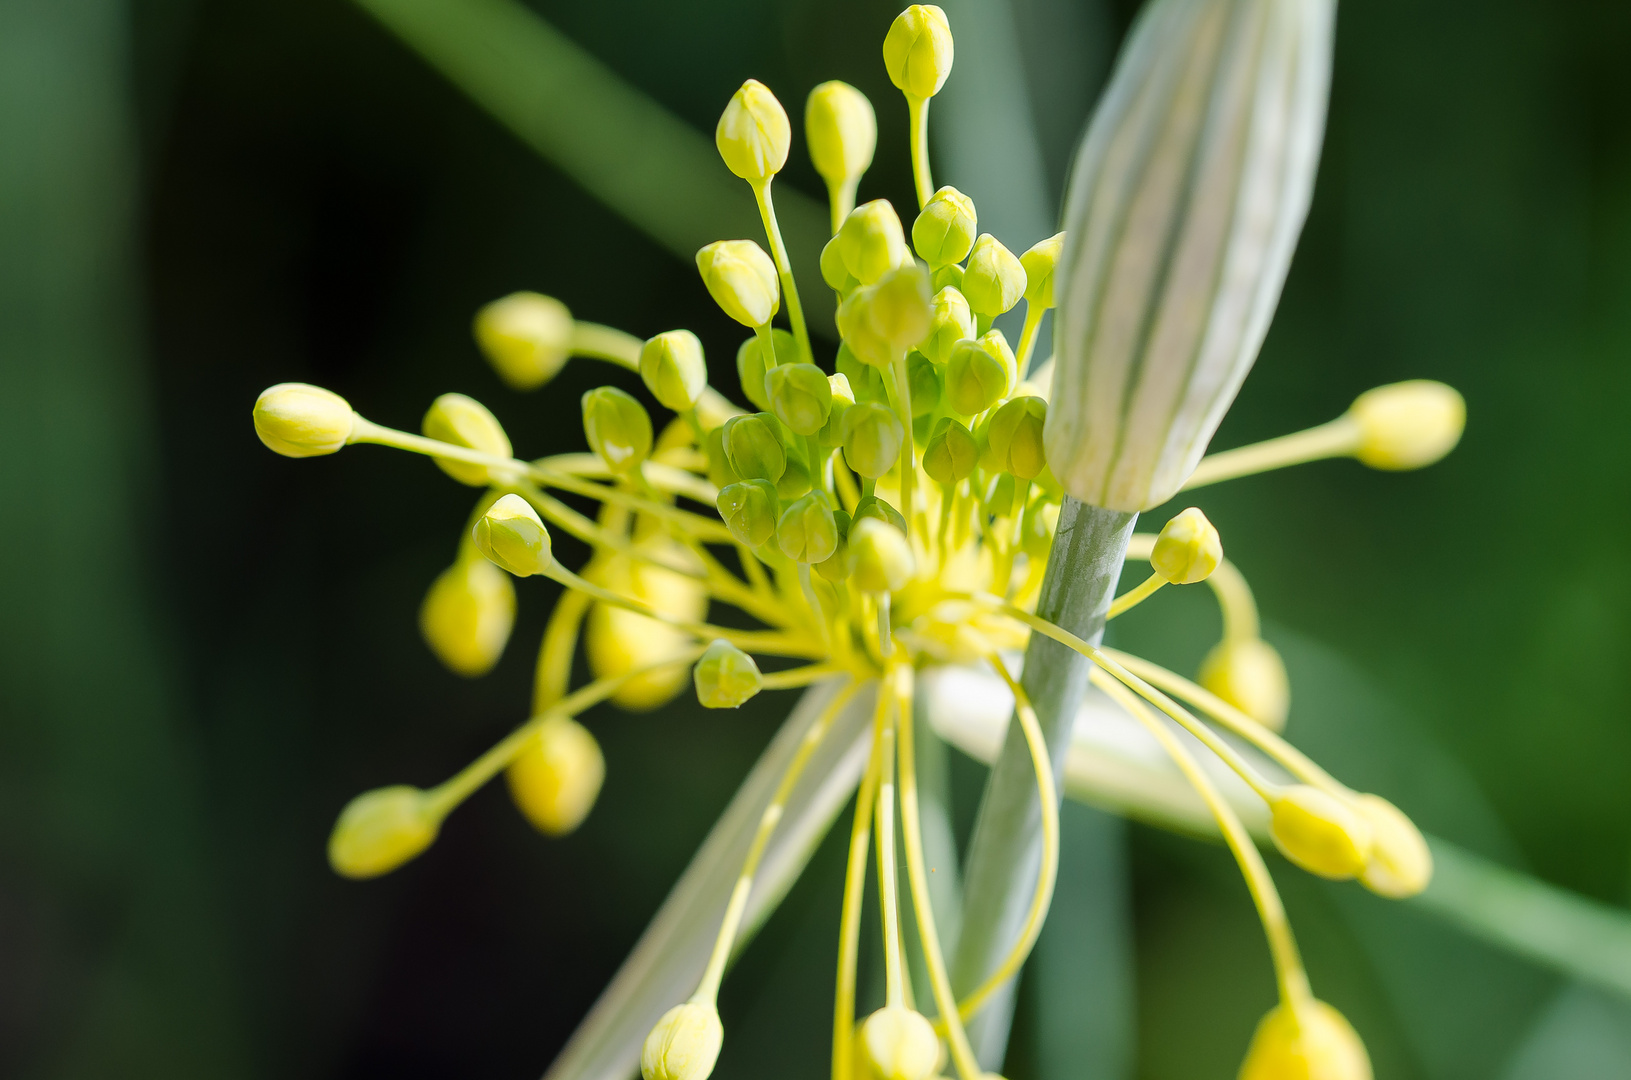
pixel 944 231
pixel 833 270
pixel 1039 263
pixel 1014 437
pixel 917 51
pixel 872 439
pixel 795 480
pixel 462 421
pixel 683 1045
pixel 976 377
pixel 871 242
pixel 751 366
pixel 1188 549
pixel 832 432
pixel 999 494
pixel 880 557
pixel 299 420
pixel 527 338
pixel 842 132
pixel 924 384
pixel 995 279
pixel 753 135
pixel 800 396
pixel 720 472
pixel 617 428
pixel 836 566
pixel 900 1044
pixel 807 532
pixel 875 508
pixel 753 448
pixel 725 676
pixel 1041 521
pixel 951 454
pixel 860 375
pixel 380 830
pixel 467 616
pixel 950 322
pixel 741 279
pixel 881 322
pixel 513 536
pixel 673 369
pixel 947 277
pixel 749 509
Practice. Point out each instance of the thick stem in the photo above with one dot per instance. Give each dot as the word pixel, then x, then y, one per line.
pixel 1005 852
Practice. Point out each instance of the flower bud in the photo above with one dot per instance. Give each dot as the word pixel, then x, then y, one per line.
pixel 556 777
pixel 617 427
pixel 1014 437
pixel 299 420
pixel 673 369
pixel 880 557
pixel 900 1044
pixel 462 421
pixel 842 131
pixel 527 338
pixel 917 51
pixel 951 453
pixel 751 365
pixel 512 535
pixel 725 676
pixel 753 448
pixel 1314 1042
pixel 1039 263
pixel 949 322
pixel 995 278
pixel 619 642
pixel 1408 425
pixel 753 135
pixel 1149 352
pixel 881 322
pixel 947 277
pixel 380 830
pixel 832 432
pixel 835 568
pixel 750 509
pixel 795 480
pixel 467 616
pixel 1400 863
pixel 1188 549
pixel 1319 832
pixel 979 374
pixel 720 473
pixel 807 532
pixel 872 439
pixel 1000 494
pixel 684 1045
pixel 1249 674
pixel 741 279
pixel 924 385
pixel 800 396
pixel 833 270
pixel 871 506
pixel 871 241
pixel 944 231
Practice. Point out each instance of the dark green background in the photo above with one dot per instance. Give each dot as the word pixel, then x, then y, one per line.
pixel 206 649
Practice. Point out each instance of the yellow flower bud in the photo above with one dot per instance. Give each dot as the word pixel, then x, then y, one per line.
pixel 800 396
pixel 923 383
pixel 1400 863
pixel 299 420
pixel 947 277
pixel 832 433
pixel 1408 425
pixel 842 131
pixel 1319 832
pixel 917 51
pixel 527 338
pixel 950 322
pixel 871 506
pixel 684 1045
pixel 980 373
pixel 380 830
pixel 951 453
pixel 835 568
pixel 872 439
pixel 1014 438
pixel 556 777
pixel 994 280
pixel 833 270
pixel 944 231
pixel 1039 263
pixel 807 532
pixel 741 279
pixel 753 135
pixel 617 427
pixel 673 369
pixel 725 676
pixel 467 616
pixel 880 556
pixel 749 509
pixel 751 364
pixel 512 535
pixel 1249 674
pixel 1311 1041
pixel 618 641
pixel 871 242
pixel 900 1044
pixel 881 322
pixel 1188 549
pixel 462 421
pixel 753 447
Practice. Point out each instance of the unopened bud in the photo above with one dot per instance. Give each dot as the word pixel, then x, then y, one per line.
pixel 617 428
pixel 900 1044
pixel 917 51
pixel 795 480
pixel 832 433
pixel 800 396
pixel 462 421
pixel 871 241
pixel 995 279
pixel 1307 1040
pixel 673 369
pixel 1188 549
pixel 833 270
pixel 1249 674
pixel 751 363
pixel 556 776
pixel 1408 425
pixel 753 447
pixel 741 279
pixel 380 830
pixel 299 420
pixel 950 322
pixel 633 648
pixel 944 231
pixel 924 385
pixel 1039 263
pixel 720 473
pixel 881 322
pixel 1014 437
pixel 872 439
pixel 526 336
pixel 980 373
pixel 871 506
pixel 1319 832
pixel 512 535
pixel 467 616
pixel 1400 863
pixel 684 1045
pixel 806 532
pixel 750 509
pixel 753 135
pixel 951 453
pixel 842 131
pixel 880 557
pixel 725 676
pixel 947 277
pixel 835 568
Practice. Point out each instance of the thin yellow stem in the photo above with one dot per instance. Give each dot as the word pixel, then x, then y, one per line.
pixel 554 669
pixel 606 343
pixel 784 270
pixel 1027 336
pixel 841 198
pixel 793 678
pixel 1137 595
pixel 900 394
pixel 918 110
pixel 849 925
pixel 894 957
pixel 1338 438
pixel 1228 584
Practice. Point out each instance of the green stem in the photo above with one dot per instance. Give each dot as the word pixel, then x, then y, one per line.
pixel 918 108
pixel 784 270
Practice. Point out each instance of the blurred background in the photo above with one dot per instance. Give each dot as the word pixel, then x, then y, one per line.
pixel 205 649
